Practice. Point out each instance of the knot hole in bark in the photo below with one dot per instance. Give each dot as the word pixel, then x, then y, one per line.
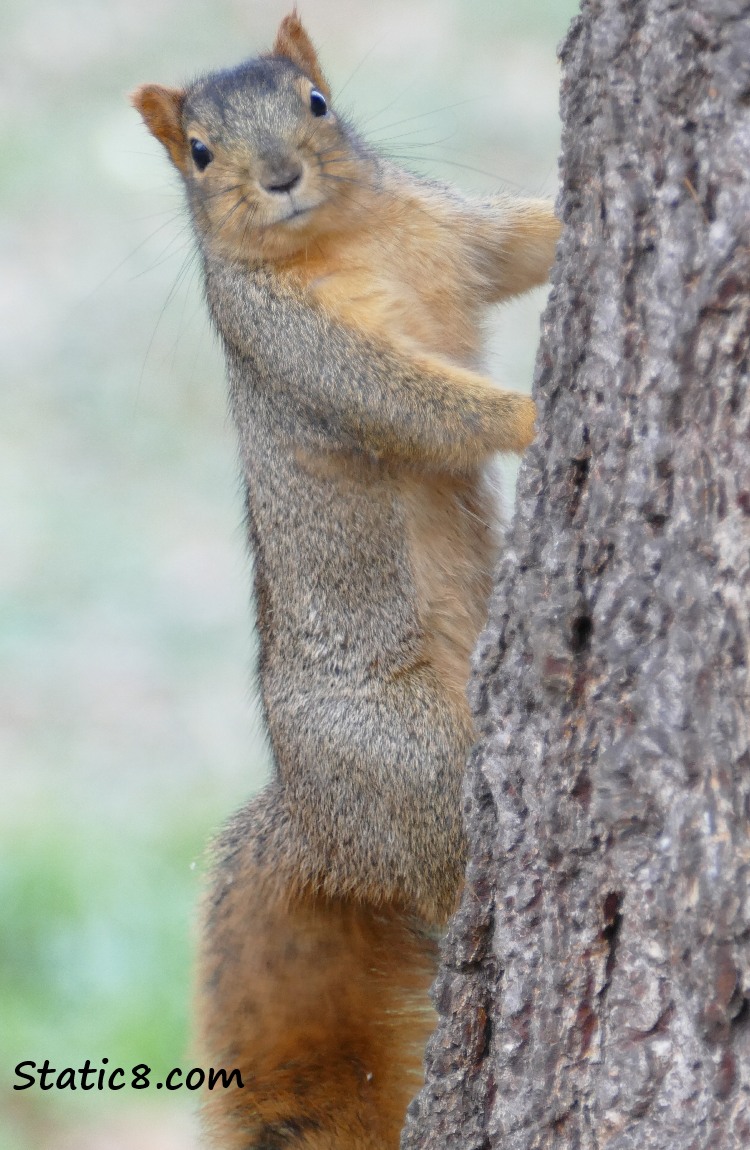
pixel 611 930
pixel 581 631
pixel 579 474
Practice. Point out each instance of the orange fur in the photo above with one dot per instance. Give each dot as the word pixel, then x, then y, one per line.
pixel 397 274
pixel 452 583
pixel 321 1003
pixel 161 109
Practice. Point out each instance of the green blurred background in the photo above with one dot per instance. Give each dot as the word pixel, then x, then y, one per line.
pixel 128 729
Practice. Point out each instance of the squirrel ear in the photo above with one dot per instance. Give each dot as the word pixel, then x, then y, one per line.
pixel 161 109
pixel 293 42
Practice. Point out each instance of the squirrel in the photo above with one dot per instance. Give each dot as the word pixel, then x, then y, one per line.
pixel 349 297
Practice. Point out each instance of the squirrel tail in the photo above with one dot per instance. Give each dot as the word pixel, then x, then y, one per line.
pixel 320 1003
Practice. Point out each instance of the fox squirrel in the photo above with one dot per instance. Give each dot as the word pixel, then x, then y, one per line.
pixel 349 296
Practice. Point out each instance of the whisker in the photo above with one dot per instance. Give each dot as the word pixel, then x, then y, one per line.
pixel 345 180
pixel 129 256
pixel 224 191
pixel 248 221
pixel 385 140
pixel 424 115
pixel 363 61
pixel 405 157
pixel 189 260
pixel 167 254
pixel 381 111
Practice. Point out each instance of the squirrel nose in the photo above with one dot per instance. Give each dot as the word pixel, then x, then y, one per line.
pixel 282 177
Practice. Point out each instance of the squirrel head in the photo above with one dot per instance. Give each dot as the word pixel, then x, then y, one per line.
pixel 266 162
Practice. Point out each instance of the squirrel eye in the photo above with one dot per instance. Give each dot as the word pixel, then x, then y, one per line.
pixel 202 156
pixel 318 105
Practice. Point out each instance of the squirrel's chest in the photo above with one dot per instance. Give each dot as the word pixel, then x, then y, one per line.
pixel 419 309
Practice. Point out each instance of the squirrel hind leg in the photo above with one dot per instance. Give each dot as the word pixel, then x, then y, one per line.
pixel 322 1005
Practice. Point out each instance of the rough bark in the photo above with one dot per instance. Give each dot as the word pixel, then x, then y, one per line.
pixel 596 979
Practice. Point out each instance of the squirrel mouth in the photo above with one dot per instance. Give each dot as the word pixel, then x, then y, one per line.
pixel 296 213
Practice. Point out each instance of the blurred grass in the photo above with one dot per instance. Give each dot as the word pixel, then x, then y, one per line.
pixel 90 926
pixel 127 729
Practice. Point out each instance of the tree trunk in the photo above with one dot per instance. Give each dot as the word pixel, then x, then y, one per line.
pixel 596 979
